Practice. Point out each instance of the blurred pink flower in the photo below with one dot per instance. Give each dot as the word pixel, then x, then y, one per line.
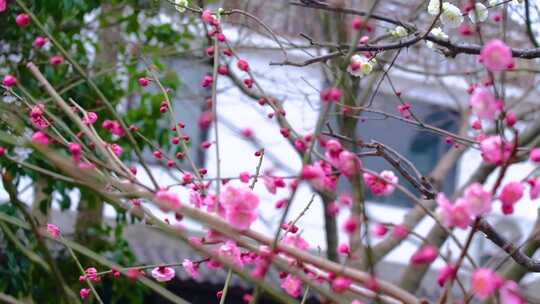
pixel 53 230
pixel 296 241
pixel 292 285
pixel 84 293
pixel 168 198
pixel 483 103
pixel 379 230
pixel 535 187
pixel 163 274
pixel 496 56
pixel 510 194
pixel 424 255
pixel 510 294
pixel 348 163
pixel 239 206
pixel 40 138
pixel 477 199
pixel 453 215
pixel 383 185
pixel 484 283
pixel 341 284
pixel 495 150
pixel 400 231
pixel 534 155
pixel 448 272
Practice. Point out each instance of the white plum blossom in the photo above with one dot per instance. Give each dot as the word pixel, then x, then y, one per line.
pixel 360 66
pixel 438 33
pixel 181 5
pixel 479 10
pixel 399 32
pixel 433 7
pixel 451 16
pixel 493 2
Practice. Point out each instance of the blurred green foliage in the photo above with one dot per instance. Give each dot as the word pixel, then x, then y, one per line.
pixel 78 25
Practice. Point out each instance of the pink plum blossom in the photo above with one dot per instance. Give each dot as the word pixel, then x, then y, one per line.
pixel 295 240
pixel 292 285
pixel 496 56
pixel 91 274
pixel 341 284
pixel 116 149
pixel 168 198
pixel 230 251
pixel 90 118
pixel 510 293
pixel 40 138
pixel 53 230
pixel 484 283
pixel 3 5
pixel 348 163
pixel 510 194
pixel 36 117
pixel 382 185
pixel 240 206
pixel 495 150
pixel 273 183
pixel 84 293
pixel 320 176
pixel 163 274
pixel 477 199
pixel 453 215
pixel 483 103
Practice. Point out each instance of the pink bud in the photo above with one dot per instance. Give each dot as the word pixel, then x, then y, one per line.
pixel 351 225
pixel 40 138
pixel 56 60
pixel 9 81
pixel 379 230
pixel 534 155
pixel 242 65
pixel 448 272
pixel 510 118
pixel 356 23
pixel 39 42
pixel 424 255
pixel 22 20
pixel 244 177
pixel 331 95
pixel 400 231
pixel 223 70
pixel 143 82
pixel 344 249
